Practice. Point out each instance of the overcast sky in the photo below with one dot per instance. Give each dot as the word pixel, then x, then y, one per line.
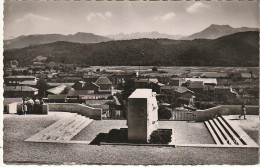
pixel 105 18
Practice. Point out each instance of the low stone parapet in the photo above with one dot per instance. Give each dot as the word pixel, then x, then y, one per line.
pixel 13 108
pixel 204 115
pixel 93 113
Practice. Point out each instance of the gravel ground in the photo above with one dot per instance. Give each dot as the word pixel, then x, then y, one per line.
pixel 19 128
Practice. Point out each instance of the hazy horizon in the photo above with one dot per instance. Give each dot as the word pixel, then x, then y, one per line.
pixel 110 18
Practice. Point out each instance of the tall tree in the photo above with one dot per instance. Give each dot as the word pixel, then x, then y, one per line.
pixel 42 85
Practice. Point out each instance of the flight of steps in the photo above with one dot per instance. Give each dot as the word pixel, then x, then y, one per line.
pixel 227 133
pixel 62 130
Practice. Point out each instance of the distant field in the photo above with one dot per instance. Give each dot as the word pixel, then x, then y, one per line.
pixel 175 69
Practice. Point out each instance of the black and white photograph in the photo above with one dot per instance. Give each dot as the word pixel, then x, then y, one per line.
pixel 130 82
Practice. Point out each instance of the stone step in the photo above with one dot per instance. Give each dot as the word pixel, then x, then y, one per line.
pixel 55 130
pixel 72 130
pixel 245 139
pixel 212 133
pixel 223 132
pixel 45 131
pixel 234 137
pixel 67 128
pixel 229 124
pixel 218 133
pixel 82 126
pixel 63 125
pixel 72 127
pixel 63 129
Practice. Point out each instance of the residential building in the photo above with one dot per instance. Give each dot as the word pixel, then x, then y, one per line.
pixel 57 90
pixel 144 82
pixel 40 58
pixel 196 86
pixel 79 85
pixel 174 82
pixel 28 83
pixel 92 87
pixel 55 84
pixel 206 81
pixel 89 78
pixel 223 89
pixel 15 80
pixel 177 91
pixel 104 83
pixel 19 91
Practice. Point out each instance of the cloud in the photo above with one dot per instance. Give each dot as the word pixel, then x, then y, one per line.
pixel 104 16
pixel 197 7
pixel 165 17
pixel 32 17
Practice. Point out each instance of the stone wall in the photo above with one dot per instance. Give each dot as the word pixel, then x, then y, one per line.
pixel 93 113
pixel 18 110
pixel 203 115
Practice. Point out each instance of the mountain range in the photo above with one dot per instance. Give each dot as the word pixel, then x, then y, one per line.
pixel 212 32
pixel 139 35
pixel 239 49
pixel 25 41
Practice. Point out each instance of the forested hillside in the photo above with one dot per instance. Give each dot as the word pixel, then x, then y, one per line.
pixel 240 49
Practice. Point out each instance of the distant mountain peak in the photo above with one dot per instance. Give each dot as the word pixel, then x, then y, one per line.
pixel 217 25
pixel 215 31
pixel 83 33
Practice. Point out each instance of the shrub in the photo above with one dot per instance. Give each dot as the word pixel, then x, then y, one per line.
pixel 164 113
pixel 154 69
pixel 161 136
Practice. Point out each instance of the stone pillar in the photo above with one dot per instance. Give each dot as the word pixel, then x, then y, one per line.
pixel 45 109
pixel 142 115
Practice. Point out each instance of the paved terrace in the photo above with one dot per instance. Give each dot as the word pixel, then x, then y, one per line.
pixel 19 128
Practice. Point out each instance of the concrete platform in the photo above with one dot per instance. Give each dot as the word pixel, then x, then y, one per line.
pixel 19 128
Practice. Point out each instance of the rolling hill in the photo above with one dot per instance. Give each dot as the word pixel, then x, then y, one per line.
pixel 25 41
pixel 239 49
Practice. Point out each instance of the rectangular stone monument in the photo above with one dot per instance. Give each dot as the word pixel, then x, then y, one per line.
pixel 142 115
